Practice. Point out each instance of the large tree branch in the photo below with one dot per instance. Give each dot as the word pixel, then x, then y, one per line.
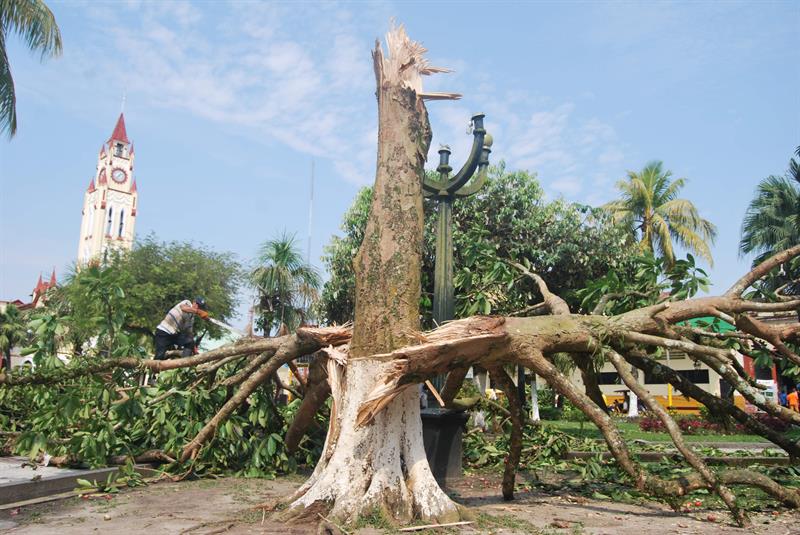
pixel 292 347
pixel 501 378
pixel 750 393
pixel 715 404
pixel 556 305
pixel 320 337
pixel 317 391
pixel 761 270
pixel 694 460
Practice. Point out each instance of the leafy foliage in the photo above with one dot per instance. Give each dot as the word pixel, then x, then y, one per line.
pixel 508 219
pixel 33 21
pixel 772 224
pixel 286 285
pixel 94 417
pixel 541 446
pixel 143 284
pixel 653 214
pixel 12 332
pixel 650 280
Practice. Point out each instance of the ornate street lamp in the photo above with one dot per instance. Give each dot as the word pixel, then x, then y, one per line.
pixel 445 190
pixel 441 428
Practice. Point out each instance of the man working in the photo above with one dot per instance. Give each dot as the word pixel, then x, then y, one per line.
pixel 176 327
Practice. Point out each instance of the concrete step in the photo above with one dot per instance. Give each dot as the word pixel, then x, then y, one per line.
pixel 20 483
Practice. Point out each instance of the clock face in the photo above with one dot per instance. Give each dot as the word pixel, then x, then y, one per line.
pixel 118 175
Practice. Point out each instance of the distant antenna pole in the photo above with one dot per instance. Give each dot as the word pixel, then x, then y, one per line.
pixel 124 98
pixel 310 213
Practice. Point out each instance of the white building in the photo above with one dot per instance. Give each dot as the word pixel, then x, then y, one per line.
pixel 111 200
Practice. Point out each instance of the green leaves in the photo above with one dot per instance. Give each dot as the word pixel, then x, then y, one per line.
pixel 286 286
pixel 508 219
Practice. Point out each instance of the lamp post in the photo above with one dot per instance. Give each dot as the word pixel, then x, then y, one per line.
pixel 445 190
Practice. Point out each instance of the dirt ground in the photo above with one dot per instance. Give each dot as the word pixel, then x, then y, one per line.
pixel 229 506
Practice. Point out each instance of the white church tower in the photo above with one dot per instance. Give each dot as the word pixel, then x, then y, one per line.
pixel 110 202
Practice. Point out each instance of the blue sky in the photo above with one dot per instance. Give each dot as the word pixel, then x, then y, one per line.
pixel 227 104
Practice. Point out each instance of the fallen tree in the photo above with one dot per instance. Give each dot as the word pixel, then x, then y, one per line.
pixel 373 457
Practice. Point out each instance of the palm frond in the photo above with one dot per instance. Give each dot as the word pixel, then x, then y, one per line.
pixel 33 21
pixel 8 97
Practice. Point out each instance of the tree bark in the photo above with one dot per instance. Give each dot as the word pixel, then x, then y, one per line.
pixel 502 379
pixel 317 391
pixel 382 467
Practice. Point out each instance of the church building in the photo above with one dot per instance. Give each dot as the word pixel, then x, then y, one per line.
pixel 111 200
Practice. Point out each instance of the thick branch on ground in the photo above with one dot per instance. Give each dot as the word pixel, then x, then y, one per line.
pixel 320 337
pixel 452 384
pixel 292 346
pixel 694 460
pixel 715 404
pixel 150 456
pixel 317 391
pixel 502 379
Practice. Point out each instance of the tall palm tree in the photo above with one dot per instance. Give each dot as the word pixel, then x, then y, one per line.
pixel 285 284
pixel 33 21
pixel 656 217
pixel 772 220
pixel 12 332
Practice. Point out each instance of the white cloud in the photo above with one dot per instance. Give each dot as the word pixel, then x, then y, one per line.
pixel 313 91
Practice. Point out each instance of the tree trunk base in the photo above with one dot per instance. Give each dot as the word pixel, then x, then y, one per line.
pixel 380 469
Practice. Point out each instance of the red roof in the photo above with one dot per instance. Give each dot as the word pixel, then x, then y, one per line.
pixel 119 133
pixel 91 186
pixel 103 151
pixel 53 278
pixel 133 186
pixel 102 178
pixel 131 149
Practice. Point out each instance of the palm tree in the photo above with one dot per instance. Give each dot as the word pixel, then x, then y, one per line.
pixel 285 284
pixel 656 217
pixel 34 22
pixel 772 220
pixel 12 332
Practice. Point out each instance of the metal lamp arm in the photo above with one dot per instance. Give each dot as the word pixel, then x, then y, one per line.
pixel 432 186
pixel 483 170
pixel 474 159
pixel 475 185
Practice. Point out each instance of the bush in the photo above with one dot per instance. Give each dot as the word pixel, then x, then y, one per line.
pixel 549 413
pixel 695 425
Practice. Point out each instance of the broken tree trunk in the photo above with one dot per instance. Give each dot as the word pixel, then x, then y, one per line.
pixel 383 466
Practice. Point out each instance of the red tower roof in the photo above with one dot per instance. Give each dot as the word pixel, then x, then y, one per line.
pixel 53 278
pixel 91 186
pixel 119 133
pixel 39 284
pixel 133 186
pixel 103 151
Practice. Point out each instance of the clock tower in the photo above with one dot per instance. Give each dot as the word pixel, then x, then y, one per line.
pixel 111 200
